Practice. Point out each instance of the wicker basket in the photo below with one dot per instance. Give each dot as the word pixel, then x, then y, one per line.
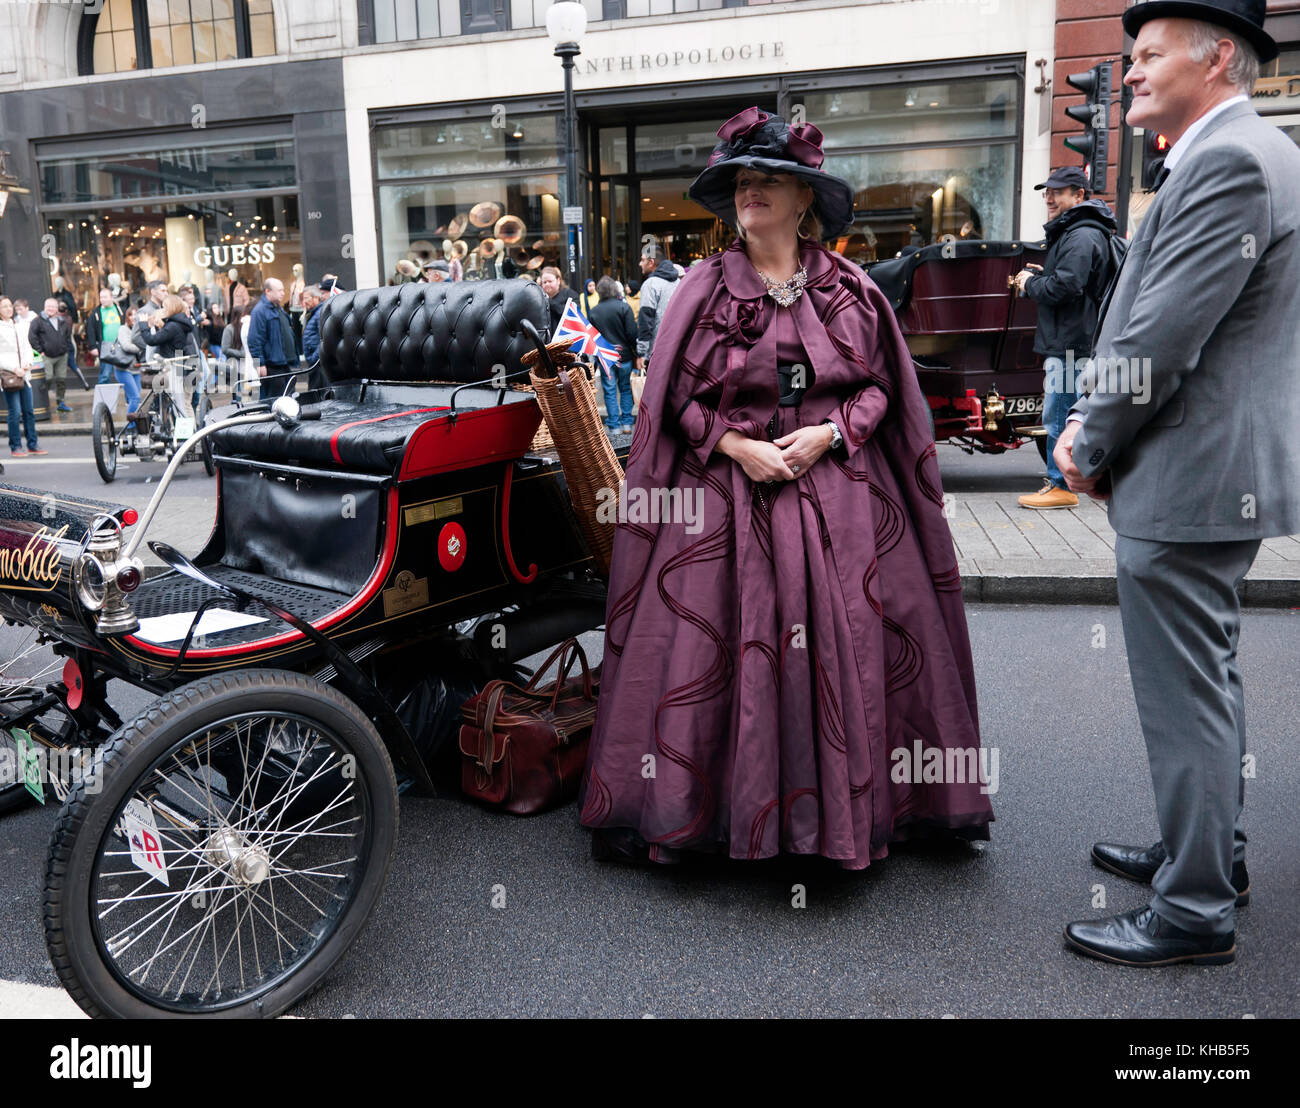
pixel 577 433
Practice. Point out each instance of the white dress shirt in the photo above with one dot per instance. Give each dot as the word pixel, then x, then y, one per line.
pixel 1179 149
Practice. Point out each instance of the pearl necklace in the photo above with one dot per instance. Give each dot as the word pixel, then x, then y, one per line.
pixel 786 293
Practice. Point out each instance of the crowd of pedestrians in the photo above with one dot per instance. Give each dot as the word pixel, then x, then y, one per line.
pixel 254 348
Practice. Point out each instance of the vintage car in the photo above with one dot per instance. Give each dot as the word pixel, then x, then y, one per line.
pixel 216 854
pixel 972 339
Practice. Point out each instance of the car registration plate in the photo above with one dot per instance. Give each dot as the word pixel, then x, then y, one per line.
pixel 1023 405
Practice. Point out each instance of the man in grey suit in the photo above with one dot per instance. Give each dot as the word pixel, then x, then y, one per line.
pixel 1191 433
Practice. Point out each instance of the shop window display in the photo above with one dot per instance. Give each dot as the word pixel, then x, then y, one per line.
pixel 197 243
pixel 485 196
pixel 481 221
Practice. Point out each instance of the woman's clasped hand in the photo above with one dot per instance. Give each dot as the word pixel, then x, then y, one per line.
pixel 785 459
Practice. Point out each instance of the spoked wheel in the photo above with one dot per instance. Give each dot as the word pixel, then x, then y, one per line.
pixel 241 835
pixel 205 447
pixel 105 442
pixel 27 667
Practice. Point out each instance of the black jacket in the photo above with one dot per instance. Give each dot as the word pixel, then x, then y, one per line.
pixel 1073 277
pixel 66 297
pixel 52 337
pixel 616 323
pixel 175 337
pixel 558 301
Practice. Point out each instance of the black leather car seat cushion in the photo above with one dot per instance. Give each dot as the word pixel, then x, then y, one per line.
pixel 453 331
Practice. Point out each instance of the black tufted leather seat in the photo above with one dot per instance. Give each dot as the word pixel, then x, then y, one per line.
pixel 409 334
pixel 454 331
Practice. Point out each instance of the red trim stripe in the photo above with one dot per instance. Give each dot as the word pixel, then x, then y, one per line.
pixel 334 438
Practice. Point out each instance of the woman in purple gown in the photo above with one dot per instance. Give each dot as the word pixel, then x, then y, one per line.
pixel 787 667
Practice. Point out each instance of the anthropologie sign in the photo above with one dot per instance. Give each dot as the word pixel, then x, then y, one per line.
pixel 220 255
pixel 672 59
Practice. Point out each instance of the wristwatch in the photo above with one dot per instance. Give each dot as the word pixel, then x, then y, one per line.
pixel 837 440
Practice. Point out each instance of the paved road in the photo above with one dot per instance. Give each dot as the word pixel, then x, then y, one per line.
pixel 967 931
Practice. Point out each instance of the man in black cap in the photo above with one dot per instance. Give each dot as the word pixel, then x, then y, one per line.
pixel 1066 288
pixel 1191 436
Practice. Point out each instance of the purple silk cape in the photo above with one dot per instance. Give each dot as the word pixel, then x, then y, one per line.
pixel 766 662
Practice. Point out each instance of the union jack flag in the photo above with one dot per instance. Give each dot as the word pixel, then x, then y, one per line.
pixel 586 338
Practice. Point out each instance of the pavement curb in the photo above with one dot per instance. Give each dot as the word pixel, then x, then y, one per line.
pixel 990 588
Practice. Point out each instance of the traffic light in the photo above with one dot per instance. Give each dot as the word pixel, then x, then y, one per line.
pixel 1154 148
pixel 1094 114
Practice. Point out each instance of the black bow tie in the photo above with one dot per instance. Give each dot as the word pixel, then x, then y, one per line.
pixel 1161 178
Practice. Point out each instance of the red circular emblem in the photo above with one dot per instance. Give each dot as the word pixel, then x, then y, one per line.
pixel 73 682
pixel 451 547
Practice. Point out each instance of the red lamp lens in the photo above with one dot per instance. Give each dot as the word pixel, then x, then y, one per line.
pixel 128 579
pixel 129 517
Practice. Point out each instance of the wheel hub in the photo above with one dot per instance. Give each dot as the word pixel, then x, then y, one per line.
pixel 248 864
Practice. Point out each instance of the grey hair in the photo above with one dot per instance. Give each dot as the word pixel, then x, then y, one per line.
pixel 607 288
pixel 1202 40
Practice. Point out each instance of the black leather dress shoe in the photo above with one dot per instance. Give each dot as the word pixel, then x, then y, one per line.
pixel 1142 938
pixel 1140 864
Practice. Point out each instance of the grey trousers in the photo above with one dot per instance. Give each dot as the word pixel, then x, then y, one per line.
pixel 56 370
pixel 1182 619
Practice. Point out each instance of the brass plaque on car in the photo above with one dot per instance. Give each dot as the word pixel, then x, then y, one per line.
pixel 406 595
pixel 439 509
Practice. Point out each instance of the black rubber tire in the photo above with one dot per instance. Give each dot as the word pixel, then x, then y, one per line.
pixel 85 825
pixel 205 447
pixel 104 440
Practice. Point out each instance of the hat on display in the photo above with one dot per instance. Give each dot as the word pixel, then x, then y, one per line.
pixel 756 139
pixel 1241 17
pixel 487 248
pixel 536 261
pixel 459 248
pixel 1067 177
pixel 510 229
pixel 407 268
pixel 457 226
pixel 485 214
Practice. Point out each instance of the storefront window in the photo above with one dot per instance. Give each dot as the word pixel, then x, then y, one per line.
pixel 915 197
pixel 197 243
pixel 489 186
pixel 169 172
pixel 500 142
pixel 674 146
pixel 911 152
pixel 914 113
pixel 482 220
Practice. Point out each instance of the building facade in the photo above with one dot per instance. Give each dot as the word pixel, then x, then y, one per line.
pixel 190 140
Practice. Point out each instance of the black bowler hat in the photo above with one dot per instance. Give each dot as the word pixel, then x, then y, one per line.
pixel 1242 17
pixel 1067 177
pixel 755 139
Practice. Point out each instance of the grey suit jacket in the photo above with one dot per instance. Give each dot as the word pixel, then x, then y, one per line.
pixel 1203 440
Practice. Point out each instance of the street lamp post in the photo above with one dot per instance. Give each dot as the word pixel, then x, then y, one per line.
pixel 566 22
